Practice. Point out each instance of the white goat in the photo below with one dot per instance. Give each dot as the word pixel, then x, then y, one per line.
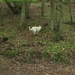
pixel 35 29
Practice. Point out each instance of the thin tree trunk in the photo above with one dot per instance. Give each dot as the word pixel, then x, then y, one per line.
pixel 42 8
pixel 52 14
pixel 58 16
pixel 23 12
pixel 26 10
pixel 61 12
pixel 29 6
pixel 71 20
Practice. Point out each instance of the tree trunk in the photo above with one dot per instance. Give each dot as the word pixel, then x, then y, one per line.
pixel 61 14
pixel 58 16
pixel 23 12
pixel 52 14
pixel 29 7
pixel 26 10
pixel 11 7
pixel 42 8
pixel 71 20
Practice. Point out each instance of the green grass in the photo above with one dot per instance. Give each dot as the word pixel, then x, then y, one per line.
pixel 11 52
pixel 6 33
pixel 59 52
pixel 1 28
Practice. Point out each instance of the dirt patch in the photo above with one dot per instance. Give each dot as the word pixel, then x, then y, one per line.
pixel 13 67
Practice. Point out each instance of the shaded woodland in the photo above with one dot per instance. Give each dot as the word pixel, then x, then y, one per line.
pixel 52 48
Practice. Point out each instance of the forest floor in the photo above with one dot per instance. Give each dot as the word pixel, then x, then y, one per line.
pixel 11 38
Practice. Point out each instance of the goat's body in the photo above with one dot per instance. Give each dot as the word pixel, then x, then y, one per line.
pixel 35 29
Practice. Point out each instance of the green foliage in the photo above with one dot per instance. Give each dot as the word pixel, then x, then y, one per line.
pixel 47 15
pixel 66 1
pixel 59 52
pixel 21 26
pixel 7 21
pixel 1 28
pixel 12 33
pixel 18 0
pixel 57 37
pixel 31 54
pixel 1 1
pixel 45 55
pixel 28 54
pixel 11 52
